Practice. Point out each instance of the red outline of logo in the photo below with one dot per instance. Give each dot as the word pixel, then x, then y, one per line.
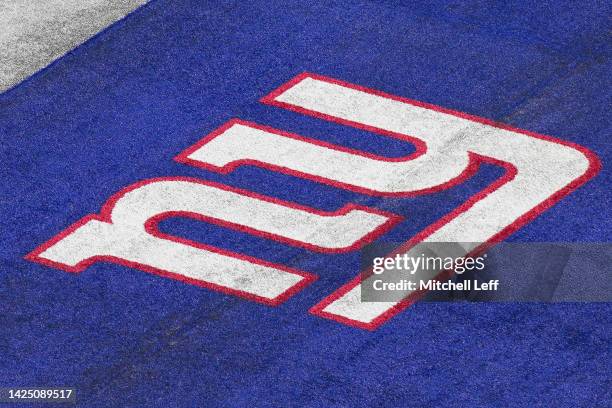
pixel 593 169
pixel 151 228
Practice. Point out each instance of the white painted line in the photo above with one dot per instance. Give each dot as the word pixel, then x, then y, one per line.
pixel 35 33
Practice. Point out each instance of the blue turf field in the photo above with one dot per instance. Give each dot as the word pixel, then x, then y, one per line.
pixel 121 106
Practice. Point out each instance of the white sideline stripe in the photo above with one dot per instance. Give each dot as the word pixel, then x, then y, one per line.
pixel 35 33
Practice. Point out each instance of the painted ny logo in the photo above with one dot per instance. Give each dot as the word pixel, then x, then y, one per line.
pixel 450 146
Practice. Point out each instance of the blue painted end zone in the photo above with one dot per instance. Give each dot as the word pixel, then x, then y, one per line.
pixel 120 107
